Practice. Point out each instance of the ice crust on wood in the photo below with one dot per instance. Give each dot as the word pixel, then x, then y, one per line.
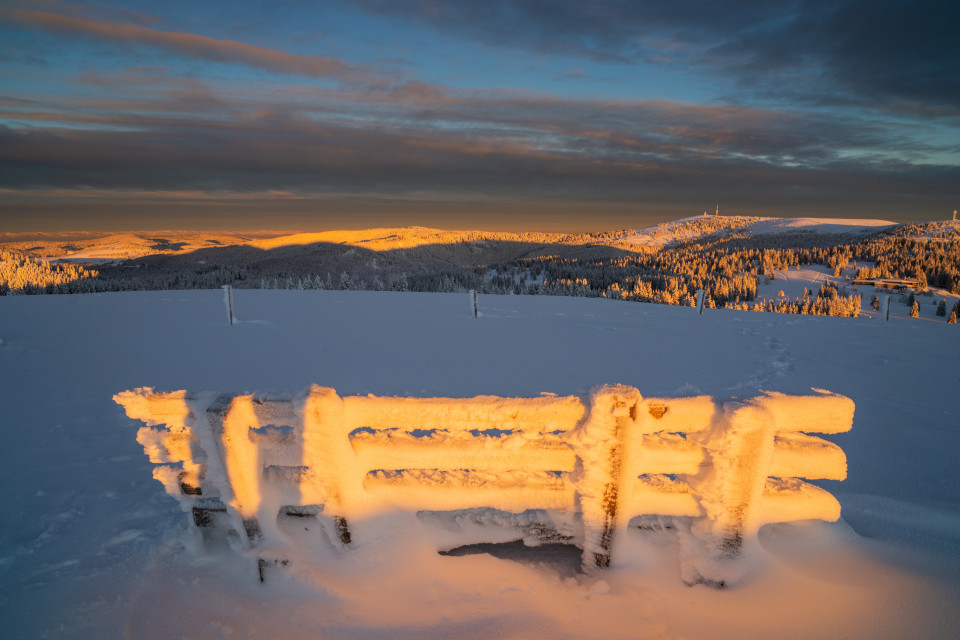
pixel 718 470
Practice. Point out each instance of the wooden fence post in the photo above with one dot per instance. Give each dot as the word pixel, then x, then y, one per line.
pixel 728 489
pixel 334 479
pixel 613 409
pixel 473 302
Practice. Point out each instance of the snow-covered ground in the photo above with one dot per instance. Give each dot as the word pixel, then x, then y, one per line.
pixel 818 225
pixel 792 281
pixel 696 227
pixel 92 547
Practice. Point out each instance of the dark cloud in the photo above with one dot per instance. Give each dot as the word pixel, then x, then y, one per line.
pixel 516 148
pixel 886 54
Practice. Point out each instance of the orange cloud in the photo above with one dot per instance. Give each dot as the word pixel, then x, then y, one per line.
pixel 190 44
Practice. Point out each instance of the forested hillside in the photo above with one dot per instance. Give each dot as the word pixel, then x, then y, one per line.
pixel 728 258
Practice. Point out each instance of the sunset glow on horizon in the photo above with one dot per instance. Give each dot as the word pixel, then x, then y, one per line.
pixel 518 115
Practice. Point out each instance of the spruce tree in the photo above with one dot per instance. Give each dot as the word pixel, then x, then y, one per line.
pixel 942 307
pixel 953 318
pixel 915 310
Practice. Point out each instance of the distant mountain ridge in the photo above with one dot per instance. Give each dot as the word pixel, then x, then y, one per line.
pixel 129 246
pixel 730 258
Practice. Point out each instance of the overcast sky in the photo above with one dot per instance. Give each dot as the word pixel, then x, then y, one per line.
pixel 494 114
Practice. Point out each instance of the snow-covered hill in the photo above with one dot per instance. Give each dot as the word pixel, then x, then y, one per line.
pixel 92 547
pixel 697 227
pixel 138 245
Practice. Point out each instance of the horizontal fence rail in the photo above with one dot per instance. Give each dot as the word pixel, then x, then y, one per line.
pixel 720 470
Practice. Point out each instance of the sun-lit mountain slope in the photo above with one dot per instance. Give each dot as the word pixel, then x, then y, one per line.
pixel 123 246
pixel 409 237
pixel 128 246
pixel 696 227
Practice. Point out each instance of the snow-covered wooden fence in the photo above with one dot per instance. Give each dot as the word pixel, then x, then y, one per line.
pixel 720 470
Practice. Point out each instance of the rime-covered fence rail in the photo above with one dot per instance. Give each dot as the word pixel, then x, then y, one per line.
pixel 719 470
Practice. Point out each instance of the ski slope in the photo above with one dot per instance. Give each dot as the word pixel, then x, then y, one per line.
pixel 92 547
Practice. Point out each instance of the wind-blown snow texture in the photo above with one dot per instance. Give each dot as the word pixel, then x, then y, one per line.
pixel 92 546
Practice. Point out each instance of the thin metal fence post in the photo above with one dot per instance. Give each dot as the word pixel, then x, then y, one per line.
pixel 229 300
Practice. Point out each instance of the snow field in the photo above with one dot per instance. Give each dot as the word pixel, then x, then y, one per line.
pixel 92 548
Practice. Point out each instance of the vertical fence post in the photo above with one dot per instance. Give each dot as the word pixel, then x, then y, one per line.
pixel 613 410
pixel 228 298
pixel 473 301
pixel 328 454
pixel 885 308
pixel 729 490
pixel 701 295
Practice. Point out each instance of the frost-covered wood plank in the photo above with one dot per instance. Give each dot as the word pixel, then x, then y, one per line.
pixel 465 414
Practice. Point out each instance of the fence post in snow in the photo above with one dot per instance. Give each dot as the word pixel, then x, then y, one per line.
pixel 613 415
pixel 473 301
pixel 701 294
pixel 885 308
pixel 228 299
